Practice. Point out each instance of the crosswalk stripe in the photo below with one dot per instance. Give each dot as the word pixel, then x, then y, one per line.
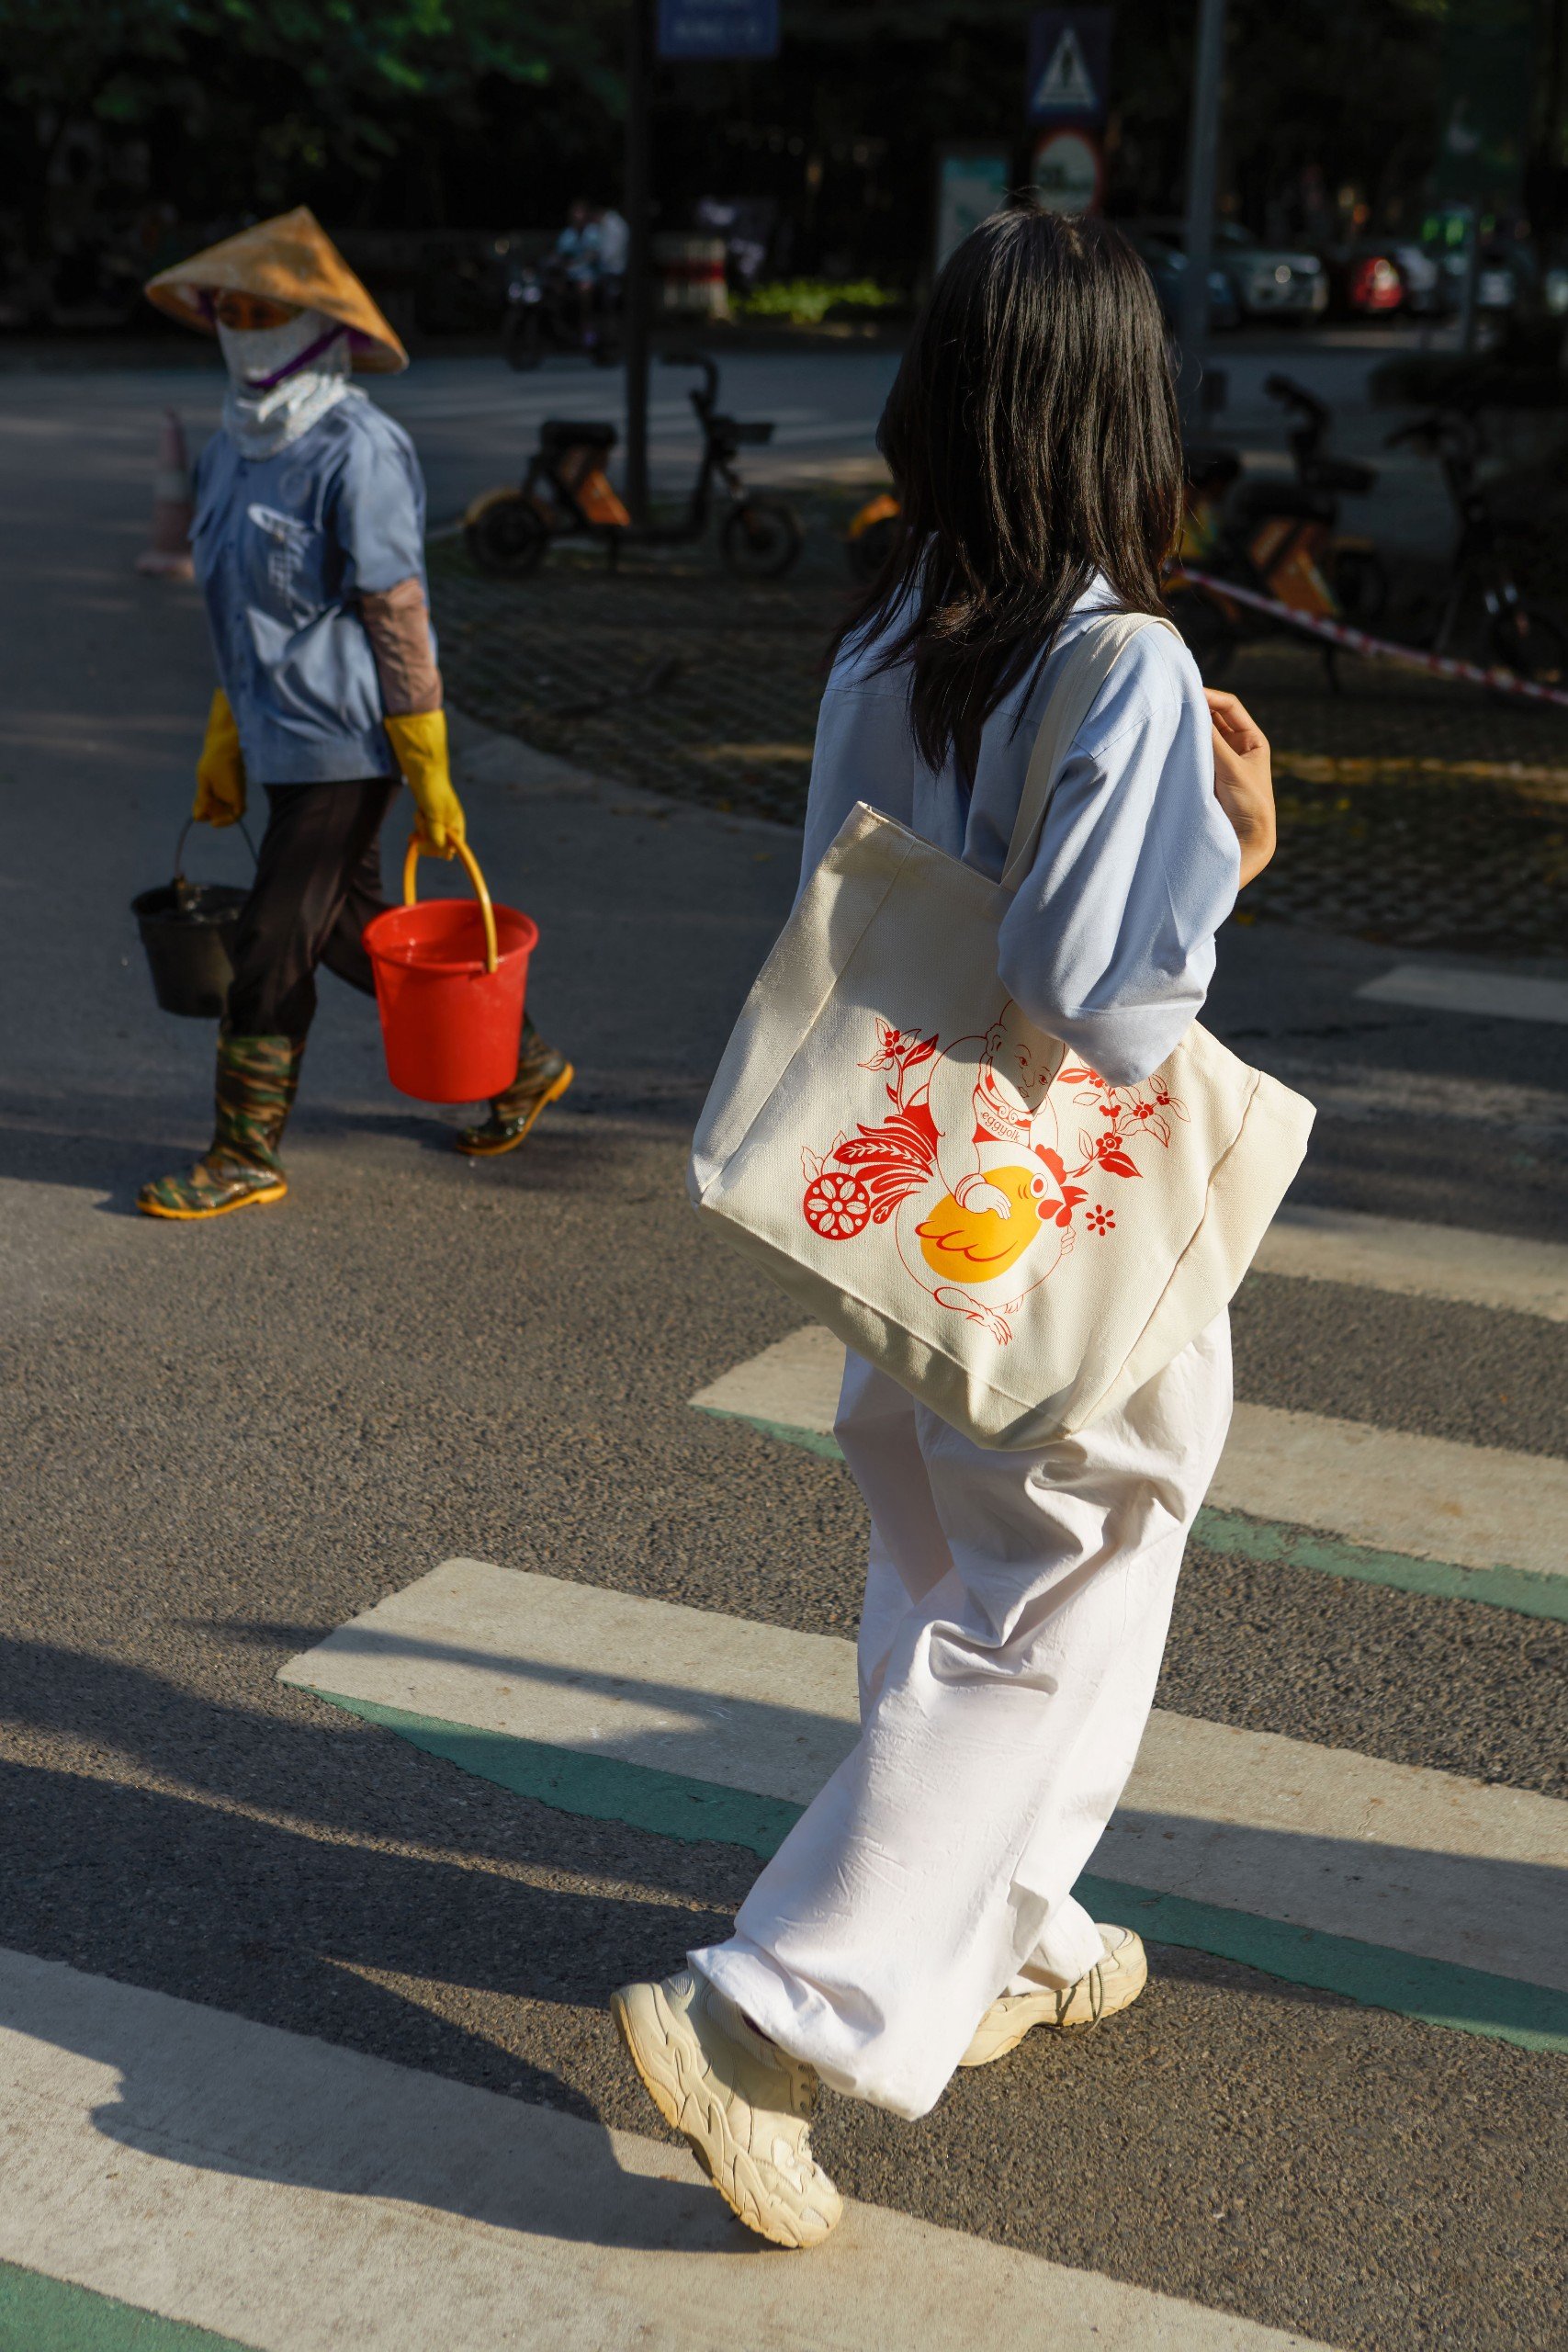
pixel 515 1674
pixel 1480 1506
pixel 1493 995
pixel 292 2195
pixel 1447 1261
pixel 1360 1093
pixel 1423 1513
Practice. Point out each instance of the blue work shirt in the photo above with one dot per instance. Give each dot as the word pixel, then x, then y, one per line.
pixel 284 546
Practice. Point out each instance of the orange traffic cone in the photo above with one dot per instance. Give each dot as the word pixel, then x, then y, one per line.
pixel 169 555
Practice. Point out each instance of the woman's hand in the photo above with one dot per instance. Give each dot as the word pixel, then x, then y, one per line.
pixel 1243 781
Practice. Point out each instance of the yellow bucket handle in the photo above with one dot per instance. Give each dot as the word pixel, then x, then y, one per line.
pixel 471 867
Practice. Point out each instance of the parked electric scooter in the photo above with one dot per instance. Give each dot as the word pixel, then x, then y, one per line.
pixel 1280 538
pixel 567 493
pixel 1355 569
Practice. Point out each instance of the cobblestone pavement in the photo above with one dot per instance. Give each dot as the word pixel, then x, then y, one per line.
pixel 1413 812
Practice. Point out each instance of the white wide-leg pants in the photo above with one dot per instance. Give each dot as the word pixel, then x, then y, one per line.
pixel 1016 1612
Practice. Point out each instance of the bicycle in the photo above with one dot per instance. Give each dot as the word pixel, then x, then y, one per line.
pixel 1520 635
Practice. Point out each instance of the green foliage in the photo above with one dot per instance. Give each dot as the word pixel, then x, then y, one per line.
pixel 805 301
pixel 301 81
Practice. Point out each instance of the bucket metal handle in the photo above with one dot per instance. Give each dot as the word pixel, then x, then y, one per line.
pixel 471 867
pixel 180 847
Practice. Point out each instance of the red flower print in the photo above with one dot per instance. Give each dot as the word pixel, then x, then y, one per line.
pixel 1110 1151
pixel 837 1207
pixel 1100 1220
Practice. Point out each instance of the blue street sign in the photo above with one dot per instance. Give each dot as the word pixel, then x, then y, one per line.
pixel 696 28
pixel 1069 66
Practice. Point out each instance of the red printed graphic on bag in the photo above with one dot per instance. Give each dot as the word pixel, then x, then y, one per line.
pixel 968 1166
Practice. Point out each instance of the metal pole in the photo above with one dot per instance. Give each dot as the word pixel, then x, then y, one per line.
pixel 1470 286
pixel 639 252
pixel 1202 172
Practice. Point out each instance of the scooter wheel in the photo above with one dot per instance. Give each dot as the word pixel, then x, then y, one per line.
pixel 760 540
pixel 1359 580
pixel 507 534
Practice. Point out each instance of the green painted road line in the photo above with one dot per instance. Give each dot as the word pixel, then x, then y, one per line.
pixel 600 1788
pixel 1437 1991
pixel 39 2314
pixel 668 1805
pixel 809 1441
pixel 1527 1591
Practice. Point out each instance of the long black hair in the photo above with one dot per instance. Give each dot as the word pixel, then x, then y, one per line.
pixel 1032 433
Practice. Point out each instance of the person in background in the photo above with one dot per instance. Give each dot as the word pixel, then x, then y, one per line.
pixel 920 1916
pixel 309 545
pixel 614 243
pixel 576 255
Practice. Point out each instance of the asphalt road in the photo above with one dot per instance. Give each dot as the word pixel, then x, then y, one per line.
pixel 221 1442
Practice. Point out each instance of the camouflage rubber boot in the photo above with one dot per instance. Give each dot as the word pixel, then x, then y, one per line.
pixel 256 1081
pixel 542 1077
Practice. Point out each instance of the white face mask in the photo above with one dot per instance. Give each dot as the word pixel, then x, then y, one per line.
pixel 281 380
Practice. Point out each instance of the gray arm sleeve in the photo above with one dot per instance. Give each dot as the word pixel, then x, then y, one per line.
pixel 397 621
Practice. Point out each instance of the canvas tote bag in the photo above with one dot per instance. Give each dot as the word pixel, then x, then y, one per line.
pixel 963 1199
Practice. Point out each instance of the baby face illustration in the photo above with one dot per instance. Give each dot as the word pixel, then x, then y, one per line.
pixel 1022 1058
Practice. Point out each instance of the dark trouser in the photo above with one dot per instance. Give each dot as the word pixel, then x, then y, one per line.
pixel 318 883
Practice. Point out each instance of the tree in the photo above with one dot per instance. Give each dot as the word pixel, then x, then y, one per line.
pixel 260 98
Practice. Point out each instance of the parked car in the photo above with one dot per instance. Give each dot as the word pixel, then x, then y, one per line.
pixel 1364 281
pixel 1381 277
pixel 1507 271
pixel 1167 265
pixel 1268 281
pixel 1425 296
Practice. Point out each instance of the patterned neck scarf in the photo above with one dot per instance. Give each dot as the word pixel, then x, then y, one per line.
pixel 282 379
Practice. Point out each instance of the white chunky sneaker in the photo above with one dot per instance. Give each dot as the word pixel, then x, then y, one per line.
pixel 743 2104
pixel 1112 1983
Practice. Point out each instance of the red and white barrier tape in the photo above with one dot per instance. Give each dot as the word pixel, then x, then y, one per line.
pixel 1377 649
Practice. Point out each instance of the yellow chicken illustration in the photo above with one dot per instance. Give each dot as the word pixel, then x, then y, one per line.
pixel 976 1245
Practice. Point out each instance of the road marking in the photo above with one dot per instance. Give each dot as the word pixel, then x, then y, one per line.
pixel 1447 1261
pixel 1361 1091
pixel 1493 995
pixel 295 2196
pixel 1423 1513
pixel 680 1711
pixel 1479 1506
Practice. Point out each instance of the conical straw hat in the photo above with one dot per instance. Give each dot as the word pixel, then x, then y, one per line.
pixel 290 259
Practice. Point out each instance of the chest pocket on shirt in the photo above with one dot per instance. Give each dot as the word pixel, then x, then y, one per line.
pixel 283 559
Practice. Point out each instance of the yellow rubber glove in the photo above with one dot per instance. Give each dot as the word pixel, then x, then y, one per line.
pixel 419 746
pixel 220 771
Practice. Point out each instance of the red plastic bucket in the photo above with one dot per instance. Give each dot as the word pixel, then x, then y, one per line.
pixel 451 977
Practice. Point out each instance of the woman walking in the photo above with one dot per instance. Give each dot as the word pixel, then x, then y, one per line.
pixel 309 540
pixel 920 1916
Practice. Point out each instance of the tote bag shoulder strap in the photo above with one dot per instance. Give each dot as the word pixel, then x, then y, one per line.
pixel 1094 654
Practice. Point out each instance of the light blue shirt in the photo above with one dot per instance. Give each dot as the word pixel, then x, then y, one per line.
pixel 1110 942
pixel 284 546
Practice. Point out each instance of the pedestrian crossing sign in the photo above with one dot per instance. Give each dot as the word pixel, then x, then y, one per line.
pixel 1069 52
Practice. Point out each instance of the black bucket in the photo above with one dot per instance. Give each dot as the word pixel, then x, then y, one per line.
pixel 187 929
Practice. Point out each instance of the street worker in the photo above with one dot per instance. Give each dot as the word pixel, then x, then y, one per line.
pixel 920 1916
pixel 308 544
